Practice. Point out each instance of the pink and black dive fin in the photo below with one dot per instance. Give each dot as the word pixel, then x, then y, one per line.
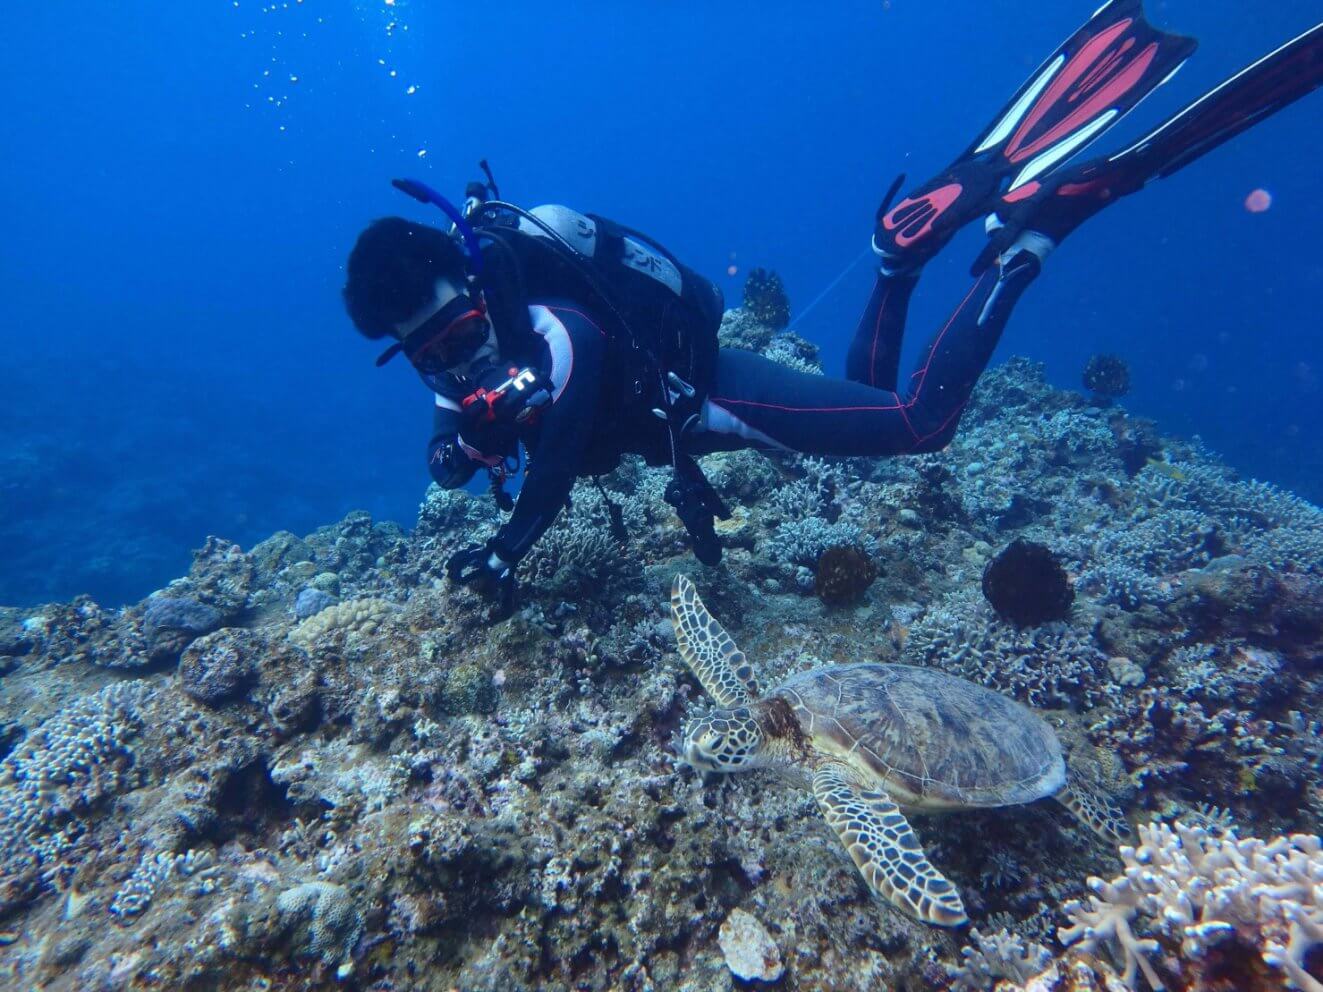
pixel 1256 92
pixel 1058 204
pixel 1093 80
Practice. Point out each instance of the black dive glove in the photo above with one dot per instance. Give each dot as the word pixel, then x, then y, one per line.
pixel 696 504
pixel 482 567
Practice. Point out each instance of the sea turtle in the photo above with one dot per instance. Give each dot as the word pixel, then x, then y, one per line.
pixel 872 738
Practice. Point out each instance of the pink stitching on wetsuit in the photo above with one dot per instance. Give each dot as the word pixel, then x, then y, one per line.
pixel 919 440
pixel 901 406
pixel 904 415
pixel 877 332
pixel 923 372
pixel 804 409
pixel 591 323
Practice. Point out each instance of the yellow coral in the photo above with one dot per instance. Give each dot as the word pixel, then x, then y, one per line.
pixel 355 617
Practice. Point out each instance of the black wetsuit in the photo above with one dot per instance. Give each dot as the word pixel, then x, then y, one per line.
pixel 754 402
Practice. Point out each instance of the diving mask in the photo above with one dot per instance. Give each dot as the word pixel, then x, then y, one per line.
pixel 448 338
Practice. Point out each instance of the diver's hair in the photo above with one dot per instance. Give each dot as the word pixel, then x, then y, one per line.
pixel 392 272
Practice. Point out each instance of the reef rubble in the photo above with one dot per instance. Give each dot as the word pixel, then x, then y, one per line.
pixel 313 764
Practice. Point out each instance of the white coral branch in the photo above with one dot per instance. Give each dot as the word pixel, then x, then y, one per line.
pixel 1105 922
pixel 1198 889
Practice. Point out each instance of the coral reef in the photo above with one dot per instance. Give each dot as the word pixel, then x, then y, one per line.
pixel 69 765
pixel 989 958
pixel 1107 377
pixel 741 329
pixel 327 921
pixel 579 551
pixel 1220 911
pixel 765 299
pixel 219 665
pixel 315 764
pixel 1055 664
pixel 358 618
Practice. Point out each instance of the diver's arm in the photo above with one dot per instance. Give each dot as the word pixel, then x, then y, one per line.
pixel 449 464
pixel 577 349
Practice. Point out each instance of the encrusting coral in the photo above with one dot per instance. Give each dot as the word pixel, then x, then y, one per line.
pixel 67 767
pixel 356 618
pixel 327 921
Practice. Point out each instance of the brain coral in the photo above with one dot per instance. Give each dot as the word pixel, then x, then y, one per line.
pixel 361 617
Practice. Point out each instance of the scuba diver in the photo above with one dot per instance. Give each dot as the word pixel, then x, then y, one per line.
pixel 583 340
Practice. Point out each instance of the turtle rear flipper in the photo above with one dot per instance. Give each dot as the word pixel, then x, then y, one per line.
pixel 708 650
pixel 1094 810
pixel 884 848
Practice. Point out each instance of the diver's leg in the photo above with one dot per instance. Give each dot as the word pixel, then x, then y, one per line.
pixel 874 355
pixel 944 379
pixel 758 403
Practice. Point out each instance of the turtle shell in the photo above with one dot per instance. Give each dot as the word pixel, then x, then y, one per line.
pixel 933 740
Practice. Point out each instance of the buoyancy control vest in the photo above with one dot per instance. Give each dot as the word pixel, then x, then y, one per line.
pixel 659 316
pixel 661 320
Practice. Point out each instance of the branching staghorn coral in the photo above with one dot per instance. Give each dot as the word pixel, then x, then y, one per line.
pixel 784 351
pixel 1193 891
pixel 1049 665
pixel 1260 520
pixel 802 542
pixel 581 549
pixel 994 956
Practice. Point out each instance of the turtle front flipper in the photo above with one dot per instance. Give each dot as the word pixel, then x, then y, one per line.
pixel 1094 810
pixel 883 846
pixel 708 650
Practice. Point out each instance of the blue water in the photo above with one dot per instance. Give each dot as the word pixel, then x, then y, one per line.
pixel 182 182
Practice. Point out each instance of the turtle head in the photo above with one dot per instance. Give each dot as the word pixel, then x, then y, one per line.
pixel 725 740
